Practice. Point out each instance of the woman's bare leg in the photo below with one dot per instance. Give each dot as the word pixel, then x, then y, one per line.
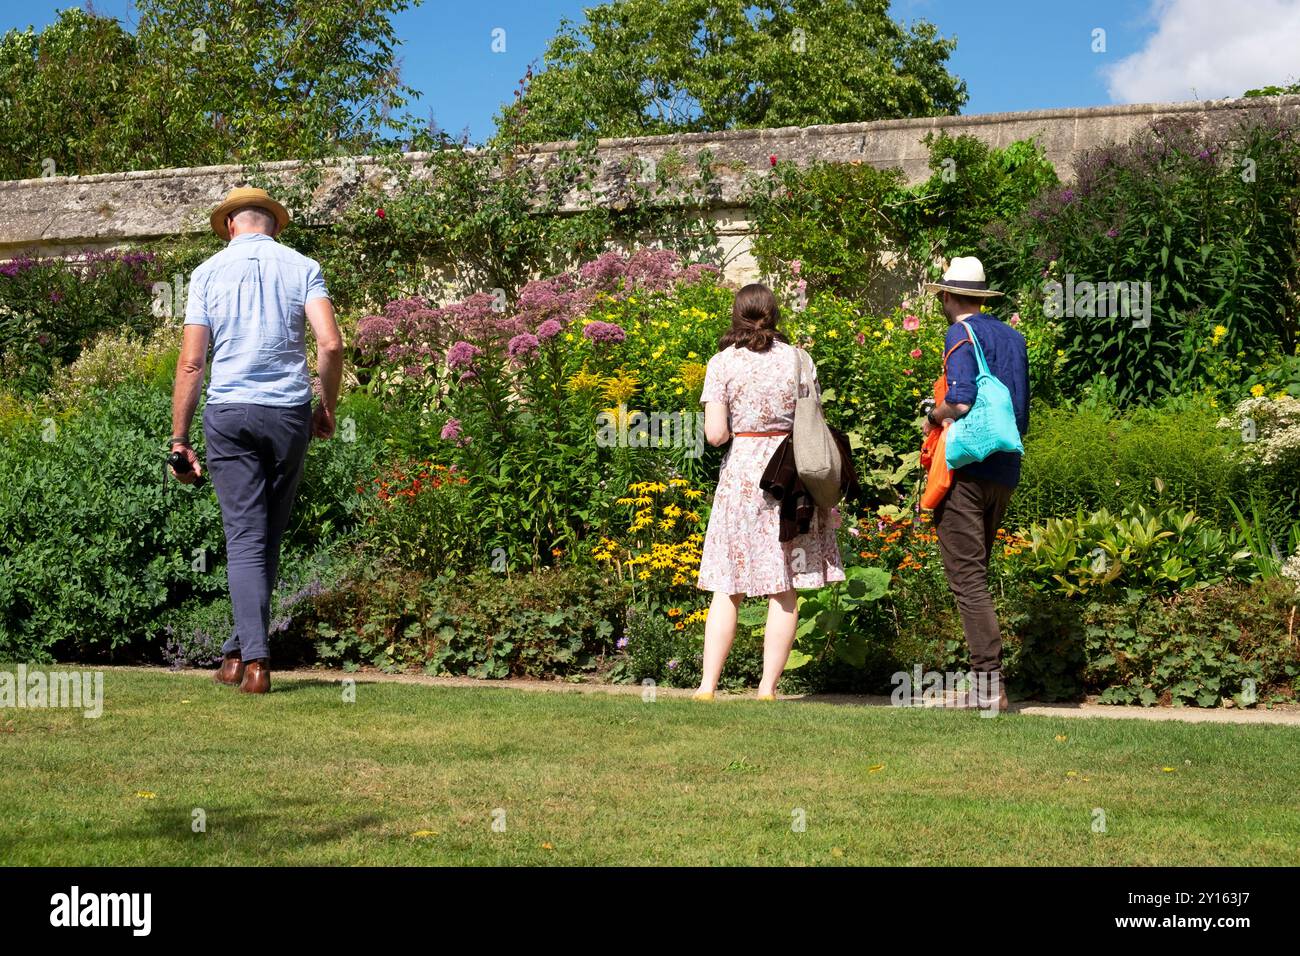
pixel 719 632
pixel 778 637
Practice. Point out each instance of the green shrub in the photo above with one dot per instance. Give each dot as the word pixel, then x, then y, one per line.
pixel 972 184
pixel 1158 552
pixel 99 547
pixel 329 504
pixel 96 543
pixel 50 308
pixel 1198 647
pixel 837 219
pixel 114 358
pixel 1173 455
pixel 552 623
pixel 193 634
pixel 418 515
pixel 1207 218
pixel 656 651
pixel 860 232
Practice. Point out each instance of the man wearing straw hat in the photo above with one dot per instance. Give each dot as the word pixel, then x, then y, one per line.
pixel 967 521
pixel 252 302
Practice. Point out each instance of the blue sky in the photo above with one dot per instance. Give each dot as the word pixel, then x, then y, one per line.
pixel 1013 54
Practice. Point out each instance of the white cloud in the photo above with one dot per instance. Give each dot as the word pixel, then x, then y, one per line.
pixel 1208 49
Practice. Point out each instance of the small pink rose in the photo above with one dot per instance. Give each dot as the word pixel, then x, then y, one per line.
pixel 915 353
pixel 1014 320
pixel 795 266
pixel 911 323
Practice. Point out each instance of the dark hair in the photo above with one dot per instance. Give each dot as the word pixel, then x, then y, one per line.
pixel 754 317
pixel 976 301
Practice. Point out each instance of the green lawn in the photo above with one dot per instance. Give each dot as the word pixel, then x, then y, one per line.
pixel 412 775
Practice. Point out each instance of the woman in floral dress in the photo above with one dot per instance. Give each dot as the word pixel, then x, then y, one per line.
pixel 749 398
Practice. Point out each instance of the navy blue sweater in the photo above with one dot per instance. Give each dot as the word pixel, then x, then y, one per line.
pixel 1008 360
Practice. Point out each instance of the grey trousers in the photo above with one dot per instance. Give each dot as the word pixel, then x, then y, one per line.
pixel 255 458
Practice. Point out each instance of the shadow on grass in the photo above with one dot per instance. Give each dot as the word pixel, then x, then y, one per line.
pixel 230 828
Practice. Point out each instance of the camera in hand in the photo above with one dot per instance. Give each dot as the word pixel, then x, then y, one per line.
pixel 181 465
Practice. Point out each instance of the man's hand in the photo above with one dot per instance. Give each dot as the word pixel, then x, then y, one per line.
pixel 322 421
pixel 190 477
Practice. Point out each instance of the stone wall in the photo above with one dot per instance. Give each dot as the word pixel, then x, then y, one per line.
pixel 63 215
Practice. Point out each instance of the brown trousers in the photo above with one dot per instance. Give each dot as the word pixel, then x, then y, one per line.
pixel 966 523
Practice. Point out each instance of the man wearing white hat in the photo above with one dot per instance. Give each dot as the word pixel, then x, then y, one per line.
pixel 252 301
pixel 967 521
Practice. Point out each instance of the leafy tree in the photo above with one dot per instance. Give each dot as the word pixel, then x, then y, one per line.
pixel 640 67
pixel 81 59
pixel 1290 88
pixel 200 82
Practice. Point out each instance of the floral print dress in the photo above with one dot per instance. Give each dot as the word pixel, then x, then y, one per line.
pixel 743 553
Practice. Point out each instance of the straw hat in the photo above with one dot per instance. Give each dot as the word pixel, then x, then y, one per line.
pixel 241 197
pixel 965 276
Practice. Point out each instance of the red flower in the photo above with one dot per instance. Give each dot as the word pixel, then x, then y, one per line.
pixel 380 212
pixel 772 160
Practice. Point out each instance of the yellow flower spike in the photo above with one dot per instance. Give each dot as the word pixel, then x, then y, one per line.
pixel 146 794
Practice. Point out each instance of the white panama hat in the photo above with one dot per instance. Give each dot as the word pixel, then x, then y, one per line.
pixel 964 276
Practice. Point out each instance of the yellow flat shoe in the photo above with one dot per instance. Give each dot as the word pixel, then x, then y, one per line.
pixel 765 697
pixel 702 695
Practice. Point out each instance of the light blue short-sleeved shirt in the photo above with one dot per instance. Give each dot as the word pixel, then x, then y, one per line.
pixel 253 296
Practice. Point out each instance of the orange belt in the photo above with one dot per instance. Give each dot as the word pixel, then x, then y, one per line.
pixel 758 434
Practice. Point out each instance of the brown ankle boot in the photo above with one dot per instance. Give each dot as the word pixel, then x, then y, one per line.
pixel 231 671
pixel 257 677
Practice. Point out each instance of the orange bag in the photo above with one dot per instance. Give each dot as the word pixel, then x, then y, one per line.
pixel 938 476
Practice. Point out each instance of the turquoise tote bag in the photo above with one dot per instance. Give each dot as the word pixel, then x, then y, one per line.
pixel 990 425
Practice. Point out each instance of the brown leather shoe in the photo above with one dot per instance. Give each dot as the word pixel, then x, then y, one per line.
pixel 257 677
pixel 984 701
pixel 231 671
